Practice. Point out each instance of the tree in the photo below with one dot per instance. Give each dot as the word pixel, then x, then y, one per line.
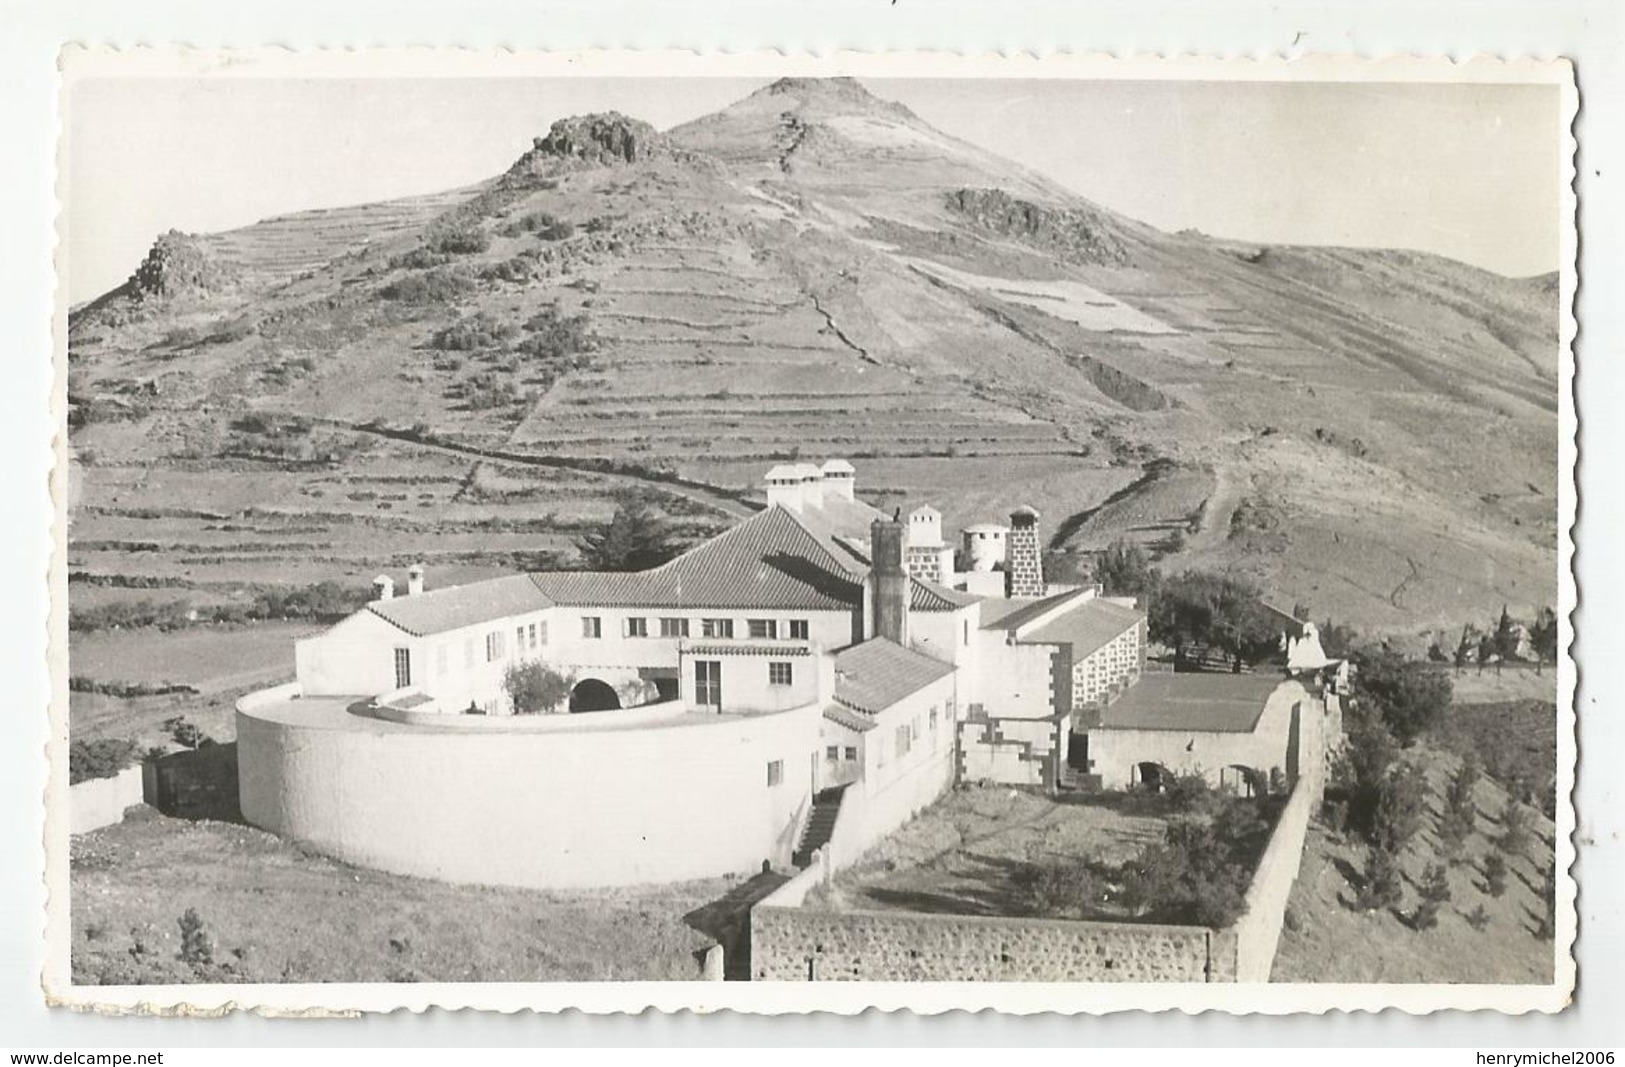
pixel 637 537
pixel 534 688
pixel 1495 874
pixel 1381 888
pixel 1219 610
pixel 1125 570
pixel 1337 640
pixel 1409 696
pixel 1465 647
pixel 1543 635
pixel 1506 637
pixel 1515 835
pixel 1401 805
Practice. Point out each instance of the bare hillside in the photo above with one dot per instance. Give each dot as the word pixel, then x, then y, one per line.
pixel 812 271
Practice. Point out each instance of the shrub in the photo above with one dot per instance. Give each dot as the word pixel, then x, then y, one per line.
pixel 459 240
pixel 101 757
pixel 1478 918
pixel 1514 839
pixel 1435 886
pixel 1495 874
pixel 1409 696
pixel 197 947
pixel 434 287
pixel 1187 791
pixel 1381 888
pixel 1061 890
pixel 186 733
pixel 474 332
pixel 555 336
pixel 1199 872
pixel 535 688
pixel 1401 807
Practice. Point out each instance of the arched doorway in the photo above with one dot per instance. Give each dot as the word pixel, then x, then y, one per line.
pixel 590 694
pixel 1152 777
pixel 1240 781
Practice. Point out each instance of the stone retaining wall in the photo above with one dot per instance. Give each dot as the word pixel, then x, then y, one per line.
pixel 807 944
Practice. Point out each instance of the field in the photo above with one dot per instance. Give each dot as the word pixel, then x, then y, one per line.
pixel 256 894
pixel 1327 940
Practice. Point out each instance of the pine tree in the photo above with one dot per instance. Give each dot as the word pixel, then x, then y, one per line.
pixel 637 537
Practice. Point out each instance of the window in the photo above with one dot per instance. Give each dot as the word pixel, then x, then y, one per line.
pixel 533 636
pixel 637 627
pixel 592 626
pixel 852 752
pixel 775 772
pixel 903 740
pixel 672 627
pixel 403 668
pixel 493 646
pixel 708 683
pixel 779 674
pixel 798 629
pixel 717 628
pixel 519 640
pixel 541 630
pixel 933 718
pixel 966 640
pixel 832 753
pixel 760 628
pixel 914 729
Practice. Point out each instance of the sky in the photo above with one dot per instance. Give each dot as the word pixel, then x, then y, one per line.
pixel 1472 172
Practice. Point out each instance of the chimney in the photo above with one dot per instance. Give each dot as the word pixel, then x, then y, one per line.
pixel 383 587
pixel 784 487
pixel 888 545
pixel 1024 566
pixel 414 580
pixel 925 527
pixel 840 480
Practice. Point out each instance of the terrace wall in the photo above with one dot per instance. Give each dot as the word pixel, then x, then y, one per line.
pixel 806 944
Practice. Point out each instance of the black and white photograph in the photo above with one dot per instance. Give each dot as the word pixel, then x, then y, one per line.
pixel 1096 531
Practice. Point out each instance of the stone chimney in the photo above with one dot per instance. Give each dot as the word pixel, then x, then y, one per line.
pixel 383 587
pixel 840 480
pixel 414 580
pixel 888 546
pixel 1024 564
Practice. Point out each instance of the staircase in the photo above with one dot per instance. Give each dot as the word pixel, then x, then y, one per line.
pixel 820 824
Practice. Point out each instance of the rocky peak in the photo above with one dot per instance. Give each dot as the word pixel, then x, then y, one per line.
pixel 604 139
pixel 836 96
pixel 179 263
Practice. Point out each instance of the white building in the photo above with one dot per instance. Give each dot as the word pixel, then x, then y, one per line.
pixel 799 671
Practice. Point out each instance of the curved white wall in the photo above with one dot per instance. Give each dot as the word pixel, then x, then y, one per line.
pixel 660 803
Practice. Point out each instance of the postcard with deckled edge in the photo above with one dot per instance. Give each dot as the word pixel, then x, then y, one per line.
pixel 623 530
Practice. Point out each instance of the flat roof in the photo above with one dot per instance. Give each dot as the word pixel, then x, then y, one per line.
pixel 1203 703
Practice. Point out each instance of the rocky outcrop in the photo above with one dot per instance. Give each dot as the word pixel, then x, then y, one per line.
pixel 599 140
pixel 1077 235
pixel 180 263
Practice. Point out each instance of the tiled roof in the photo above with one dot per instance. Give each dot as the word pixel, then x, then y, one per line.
pixel 1087 628
pixel 1199 703
pixel 454 607
pixel 775 560
pixel 875 675
pixel 750 648
pixel 768 561
pixel 1026 611
pixel 844 716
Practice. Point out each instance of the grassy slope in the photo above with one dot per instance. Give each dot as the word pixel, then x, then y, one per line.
pixel 1325 940
pixel 257 896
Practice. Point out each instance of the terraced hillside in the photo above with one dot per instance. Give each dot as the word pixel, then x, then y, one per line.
pixel 810 272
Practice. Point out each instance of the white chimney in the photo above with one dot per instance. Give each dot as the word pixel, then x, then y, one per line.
pixel 784 487
pixel 414 580
pixel 925 527
pixel 383 587
pixel 839 478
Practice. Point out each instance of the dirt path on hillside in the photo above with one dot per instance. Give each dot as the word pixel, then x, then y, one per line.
pixel 1217 510
pixel 709 496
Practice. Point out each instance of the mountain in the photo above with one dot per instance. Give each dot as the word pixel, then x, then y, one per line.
pixel 813 271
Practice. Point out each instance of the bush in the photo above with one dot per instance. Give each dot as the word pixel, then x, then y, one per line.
pixel 459 240
pixel 1409 696
pixel 553 336
pixel 1514 839
pixel 1478 918
pixel 469 334
pixel 1381 888
pixel 1495 874
pixel 534 688
pixel 187 734
pixel 1188 791
pixel 434 287
pixel 197 947
pixel 1199 872
pixel 101 757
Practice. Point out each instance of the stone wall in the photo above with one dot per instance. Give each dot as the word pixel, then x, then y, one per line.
pixel 807 944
